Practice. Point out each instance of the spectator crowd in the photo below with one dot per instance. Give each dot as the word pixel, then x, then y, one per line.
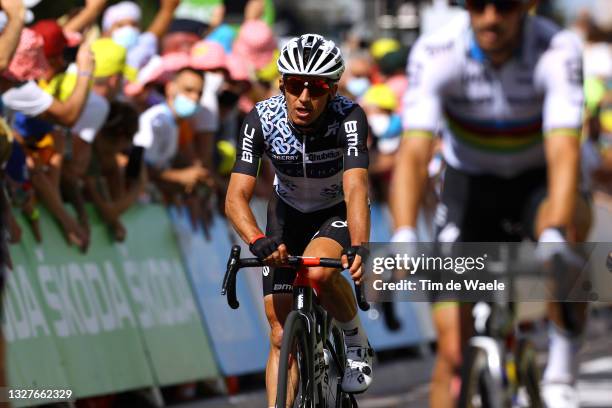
pixel 99 108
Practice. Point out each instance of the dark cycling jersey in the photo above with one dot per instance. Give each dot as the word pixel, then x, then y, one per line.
pixel 308 166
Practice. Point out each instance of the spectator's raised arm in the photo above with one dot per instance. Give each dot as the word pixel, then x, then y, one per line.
pixel 67 113
pixel 9 39
pixel 85 17
pixel 164 16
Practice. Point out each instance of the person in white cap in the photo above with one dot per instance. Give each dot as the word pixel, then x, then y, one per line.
pixel 122 22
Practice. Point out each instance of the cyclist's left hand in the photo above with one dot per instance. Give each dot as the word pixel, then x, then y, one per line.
pixel 355 267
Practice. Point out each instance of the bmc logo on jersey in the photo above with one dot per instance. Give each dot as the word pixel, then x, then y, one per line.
pixel 350 128
pixel 247 144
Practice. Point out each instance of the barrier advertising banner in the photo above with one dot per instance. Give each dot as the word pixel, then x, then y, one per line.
pixel 101 322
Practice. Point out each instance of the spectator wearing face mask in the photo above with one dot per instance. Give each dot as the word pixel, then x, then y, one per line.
pixel 158 133
pixel 121 22
pixel 209 57
pixel 357 82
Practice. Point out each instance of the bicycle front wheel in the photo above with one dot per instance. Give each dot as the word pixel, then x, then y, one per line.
pixel 479 389
pixel 295 349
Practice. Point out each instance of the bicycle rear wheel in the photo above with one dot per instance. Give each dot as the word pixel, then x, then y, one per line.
pixel 479 389
pixel 295 349
pixel 529 373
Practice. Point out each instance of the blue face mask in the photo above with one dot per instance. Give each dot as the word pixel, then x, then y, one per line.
pixel 184 107
pixel 126 36
pixel 358 86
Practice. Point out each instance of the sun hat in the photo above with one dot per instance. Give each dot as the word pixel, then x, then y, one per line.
pixel 29 60
pixel 255 43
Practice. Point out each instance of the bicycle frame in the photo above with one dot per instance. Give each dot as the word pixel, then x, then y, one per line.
pixel 304 308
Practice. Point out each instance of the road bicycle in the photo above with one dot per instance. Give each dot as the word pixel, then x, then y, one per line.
pixel 499 371
pixel 500 367
pixel 311 339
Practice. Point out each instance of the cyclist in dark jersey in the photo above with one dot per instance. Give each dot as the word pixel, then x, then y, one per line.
pixel 316 141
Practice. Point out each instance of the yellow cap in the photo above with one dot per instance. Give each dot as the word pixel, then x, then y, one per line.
pixel 382 96
pixel 110 60
pixel 227 157
pixel 383 46
pixel 594 91
pixel 269 73
pixel 109 56
pixel 605 119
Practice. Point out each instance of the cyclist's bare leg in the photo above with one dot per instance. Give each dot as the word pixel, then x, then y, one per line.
pixel 453 325
pixel 336 296
pixel 577 232
pixel 336 293
pixel 277 308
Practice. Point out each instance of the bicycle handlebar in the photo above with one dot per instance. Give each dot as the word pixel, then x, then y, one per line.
pixel 235 263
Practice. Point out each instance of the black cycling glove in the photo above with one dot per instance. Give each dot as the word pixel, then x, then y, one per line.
pixel 355 250
pixel 263 247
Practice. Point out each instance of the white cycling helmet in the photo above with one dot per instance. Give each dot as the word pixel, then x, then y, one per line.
pixel 311 54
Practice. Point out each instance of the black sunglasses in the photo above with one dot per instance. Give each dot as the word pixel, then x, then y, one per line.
pixel 501 6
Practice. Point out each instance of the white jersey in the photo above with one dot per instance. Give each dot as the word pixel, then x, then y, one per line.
pixel 493 119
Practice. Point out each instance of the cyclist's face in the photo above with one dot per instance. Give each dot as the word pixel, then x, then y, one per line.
pixel 306 97
pixel 496 24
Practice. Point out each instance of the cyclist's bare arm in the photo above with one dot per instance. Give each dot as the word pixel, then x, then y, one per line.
pixel 559 73
pixel 355 182
pixel 239 193
pixel 562 149
pixel 422 115
pixel 242 184
pixel 353 137
pixel 410 177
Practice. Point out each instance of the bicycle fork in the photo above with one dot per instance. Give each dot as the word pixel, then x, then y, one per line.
pixel 316 323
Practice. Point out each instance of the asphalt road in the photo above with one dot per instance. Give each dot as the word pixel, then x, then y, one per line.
pixel 404 381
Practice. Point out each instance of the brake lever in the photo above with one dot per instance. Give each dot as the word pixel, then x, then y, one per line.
pixel 229 280
pixel 359 293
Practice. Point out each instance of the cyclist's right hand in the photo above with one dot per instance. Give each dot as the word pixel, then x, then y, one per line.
pixel 269 249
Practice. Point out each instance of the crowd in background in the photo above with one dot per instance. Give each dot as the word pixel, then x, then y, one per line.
pixel 99 108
